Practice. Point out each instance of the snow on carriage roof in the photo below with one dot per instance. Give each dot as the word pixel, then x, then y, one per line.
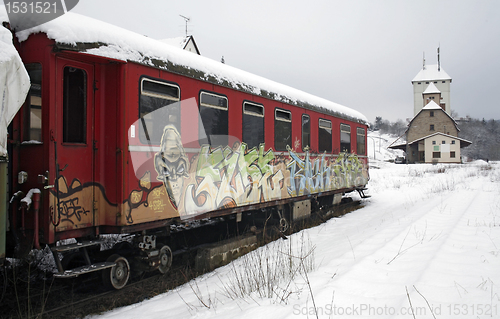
pixel 117 43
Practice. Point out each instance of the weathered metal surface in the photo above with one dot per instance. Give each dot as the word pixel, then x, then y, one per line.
pixel 69 247
pixel 84 270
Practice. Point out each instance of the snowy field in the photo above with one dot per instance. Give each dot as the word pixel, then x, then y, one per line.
pixel 428 239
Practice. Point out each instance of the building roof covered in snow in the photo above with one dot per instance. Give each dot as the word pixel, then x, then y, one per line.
pixel 431 89
pixel 430 73
pixel 185 43
pixel 432 106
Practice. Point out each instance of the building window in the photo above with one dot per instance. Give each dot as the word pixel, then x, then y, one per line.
pixel 253 124
pixel 426 82
pixel 213 128
pixel 282 129
pixel 433 142
pixel 306 132
pixel 74 105
pixel 452 154
pixel 443 81
pixel 419 82
pixel 443 142
pixel 33 115
pixel 345 138
pixel 360 141
pixel 436 154
pixel 453 142
pixel 324 136
pixel 158 107
pixel 432 127
pixel 432 113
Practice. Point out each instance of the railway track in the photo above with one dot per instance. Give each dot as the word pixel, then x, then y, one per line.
pixel 49 298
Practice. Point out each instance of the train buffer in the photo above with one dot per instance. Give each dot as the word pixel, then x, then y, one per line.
pixel 361 192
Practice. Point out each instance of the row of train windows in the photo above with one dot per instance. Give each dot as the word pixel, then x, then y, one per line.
pixel 159 101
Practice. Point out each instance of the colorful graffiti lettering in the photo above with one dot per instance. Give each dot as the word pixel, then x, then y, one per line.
pixel 307 177
pixel 228 178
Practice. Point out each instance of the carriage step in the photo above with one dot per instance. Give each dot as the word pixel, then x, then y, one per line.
pixel 72 273
pixel 361 192
pixel 73 246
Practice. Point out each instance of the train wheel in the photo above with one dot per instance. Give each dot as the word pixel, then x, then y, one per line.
pixel 117 276
pixel 165 259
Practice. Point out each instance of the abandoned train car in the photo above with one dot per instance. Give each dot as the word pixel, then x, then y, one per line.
pixel 121 133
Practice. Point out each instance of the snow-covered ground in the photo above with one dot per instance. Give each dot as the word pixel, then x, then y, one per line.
pixel 377 147
pixel 428 238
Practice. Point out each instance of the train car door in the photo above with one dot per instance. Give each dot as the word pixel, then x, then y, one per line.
pixel 74 139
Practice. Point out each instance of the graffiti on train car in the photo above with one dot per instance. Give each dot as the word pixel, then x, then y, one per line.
pixel 171 163
pixel 225 177
pixel 214 178
pixel 229 177
pixel 76 203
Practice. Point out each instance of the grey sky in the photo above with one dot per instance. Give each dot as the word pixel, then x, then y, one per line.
pixel 362 54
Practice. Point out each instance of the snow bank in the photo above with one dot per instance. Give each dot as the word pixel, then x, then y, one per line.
pixel 429 235
pixel 121 44
pixel 14 84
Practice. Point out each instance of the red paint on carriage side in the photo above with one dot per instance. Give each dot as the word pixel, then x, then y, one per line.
pixel 100 190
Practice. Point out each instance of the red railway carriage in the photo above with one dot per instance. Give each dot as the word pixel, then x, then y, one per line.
pixel 124 134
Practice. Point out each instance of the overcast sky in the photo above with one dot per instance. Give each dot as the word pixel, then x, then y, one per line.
pixel 362 54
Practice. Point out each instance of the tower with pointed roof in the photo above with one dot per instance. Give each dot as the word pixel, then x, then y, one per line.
pixel 432 134
pixel 440 80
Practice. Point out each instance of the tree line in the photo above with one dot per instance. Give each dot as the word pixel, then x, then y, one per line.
pixel 484 135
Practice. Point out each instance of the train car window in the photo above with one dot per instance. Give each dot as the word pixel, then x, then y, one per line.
pixel 213 128
pixel 345 138
pixel 324 136
pixel 158 107
pixel 306 132
pixel 253 124
pixel 282 129
pixel 360 141
pixel 33 111
pixel 74 105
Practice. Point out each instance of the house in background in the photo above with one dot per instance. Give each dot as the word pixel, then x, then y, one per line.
pixel 432 137
pixel 186 43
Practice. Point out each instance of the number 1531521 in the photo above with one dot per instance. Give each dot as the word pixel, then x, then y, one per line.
pixel 31 7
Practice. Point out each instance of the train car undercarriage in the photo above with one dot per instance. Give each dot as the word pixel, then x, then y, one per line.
pixel 154 250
